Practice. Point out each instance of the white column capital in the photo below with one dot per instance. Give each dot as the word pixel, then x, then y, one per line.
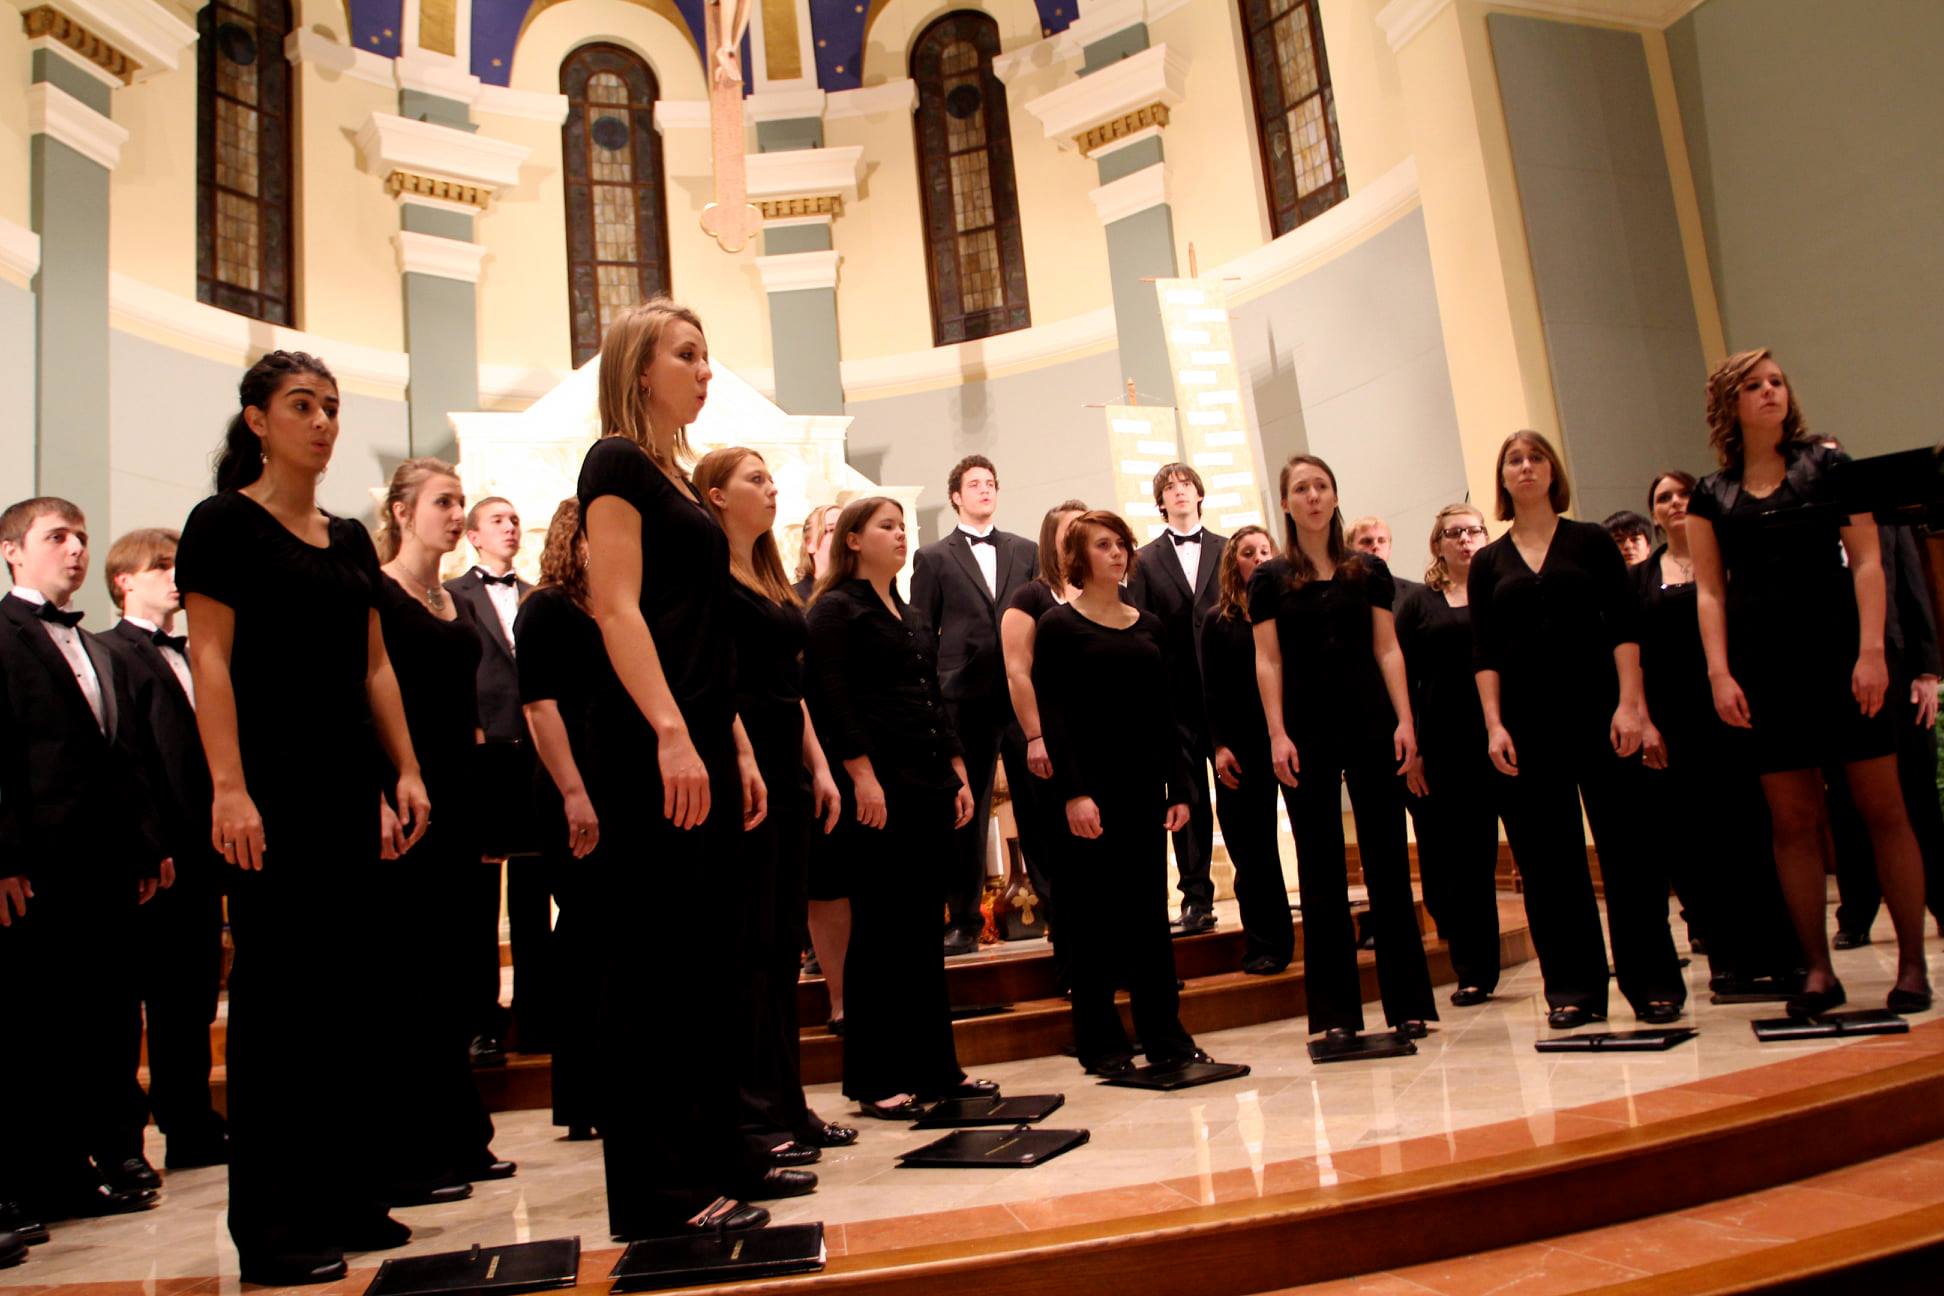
pixel 143 33
pixel 388 143
pixel 1157 77
pixel 796 271
pixel 446 258
pixel 54 112
pixel 1128 195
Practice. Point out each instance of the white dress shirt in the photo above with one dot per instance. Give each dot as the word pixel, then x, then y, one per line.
pixel 986 555
pixel 68 640
pixel 177 662
pixel 1188 554
pixel 506 602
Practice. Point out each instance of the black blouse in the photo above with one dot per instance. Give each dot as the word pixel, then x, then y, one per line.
pixel 1673 664
pixel 1436 639
pixel 1782 553
pixel 562 659
pixel 1235 718
pixel 1098 690
pixel 1550 634
pixel 873 689
pixel 685 592
pixel 770 639
pixel 1332 685
pixel 437 665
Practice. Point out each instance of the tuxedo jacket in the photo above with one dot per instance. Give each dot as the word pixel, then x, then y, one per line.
pixel 1159 585
pixel 499 678
pixel 949 592
pixel 178 772
pixel 75 803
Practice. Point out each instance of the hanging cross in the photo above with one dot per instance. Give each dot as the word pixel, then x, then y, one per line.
pixel 731 220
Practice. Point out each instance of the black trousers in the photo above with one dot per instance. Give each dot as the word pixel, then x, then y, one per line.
pixel 1856 878
pixel 477 908
pixel 1116 889
pixel 775 906
pixel 897 1013
pixel 1329 937
pixel 988 735
pixel 179 938
pixel 577 1012
pixel 1557 767
pixel 67 1076
pixel 1458 839
pixel 1041 815
pixel 1194 843
pixel 529 919
pixel 1248 817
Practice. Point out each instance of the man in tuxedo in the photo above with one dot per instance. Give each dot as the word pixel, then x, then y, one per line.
pixel 80 850
pixel 1176 579
pixel 489 595
pixel 961 583
pixel 179 935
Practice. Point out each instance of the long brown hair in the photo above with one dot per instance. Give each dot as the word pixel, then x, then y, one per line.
pixel 1049 541
pixel 813 530
pixel 1559 493
pixel 1234 594
pixel 407 480
pixel 1301 569
pixel 563 562
pixel 843 559
pixel 762 568
pixel 1437 575
pixel 626 350
pixel 1724 398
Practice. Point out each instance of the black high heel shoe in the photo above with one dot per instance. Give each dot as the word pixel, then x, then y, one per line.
pixel 1814 1003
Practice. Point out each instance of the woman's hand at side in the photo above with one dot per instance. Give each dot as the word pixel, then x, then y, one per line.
pixel 236 829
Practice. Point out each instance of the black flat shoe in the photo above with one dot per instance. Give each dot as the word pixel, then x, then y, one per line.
pixel 825 1135
pixel 1659 1012
pixel 1814 1003
pixel 1904 1002
pixel 486 1051
pixel 968 1089
pixel 1469 997
pixel 492 1169
pixel 1263 965
pixel 724 1215
pixel 12 1250
pixel 904 1111
pixel 578 1134
pixel 1572 1018
pixel 375 1233
pixel 797 1154
pixel 1413 1030
pixel 1339 1035
pixel 15 1220
pixel 781 1183
pixel 1110 1068
pixel 297 1270
pixel 131 1175
pixel 835 1026
pixel 1850 939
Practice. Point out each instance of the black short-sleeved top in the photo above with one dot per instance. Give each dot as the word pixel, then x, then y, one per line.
pixel 1550 634
pixel 1235 718
pixel 1436 639
pixel 770 639
pixel 871 679
pixel 1097 688
pixel 437 665
pixel 1333 689
pixel 1036 598
pixel 297 665
pixel 685 595
pixel 562 658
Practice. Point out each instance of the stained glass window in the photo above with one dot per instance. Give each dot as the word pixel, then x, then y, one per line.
pixel 976 260
pixel 243 189
pixel 617 224
pixel 1302 157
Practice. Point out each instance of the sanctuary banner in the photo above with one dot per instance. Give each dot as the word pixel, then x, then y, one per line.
pixel 1140 439
pixel 1208 387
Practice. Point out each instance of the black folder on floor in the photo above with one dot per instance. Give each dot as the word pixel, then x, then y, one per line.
pixel 690 1259
pixel 1863 1021
pixel 1362 1048
pixel 1655 1040
pixel 1025 1109
pixel 495 1271
pixel 986 1149
pixel 1753 990
pixel 1185 1076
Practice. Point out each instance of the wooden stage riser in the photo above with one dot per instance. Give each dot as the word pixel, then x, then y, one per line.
pixel 1904 1253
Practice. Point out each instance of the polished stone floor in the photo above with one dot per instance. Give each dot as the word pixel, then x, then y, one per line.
pixel 1476 1087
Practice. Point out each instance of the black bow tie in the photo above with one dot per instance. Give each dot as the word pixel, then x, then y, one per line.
pixel 163 639
pixel 54 616
pixel 1180 539
pixel 990 537
pixel 511 578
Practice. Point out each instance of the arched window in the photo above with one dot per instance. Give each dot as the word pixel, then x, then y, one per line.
pixel 243 169
pixel 976 260
pixel 617 225
pixel 1302 158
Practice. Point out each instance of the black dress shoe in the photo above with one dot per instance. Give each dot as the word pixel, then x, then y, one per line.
pixel 957 943
pixel 1659 1012
pixel 1469 997
pixel 825 1135
pixel 12 1250
pixel 88 1203
pixel 131 1174
pixel 1850 939
pixel 1263 965
pixel 439 1194
pixel 1195 918
pixel 1413 1030
pixel 375 1233
pixel 796 1154
pixel 15 1220
pixel 486 1051
pixel 835 1026
pixel 1904 1002
pixel 492 1169
pixel 195 1153
pixel 579 1133
pixel 904 1111
pixel 779 1182
pixel 1814 1003
pixel 296 1270
pixel 1112 1068
pixel 967 1089
pixel 1572 1018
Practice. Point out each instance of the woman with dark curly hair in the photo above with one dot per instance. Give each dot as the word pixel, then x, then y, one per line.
pixel 1769 573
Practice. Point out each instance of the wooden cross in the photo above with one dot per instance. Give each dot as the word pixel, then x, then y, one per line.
pixel 731 220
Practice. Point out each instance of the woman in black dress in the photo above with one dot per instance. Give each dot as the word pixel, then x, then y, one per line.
pixel 1456 805
pixel 873 690
pixel 1557 659
pixel 291 678
pixel 562 666
pixel 676 785
pixel 770 634
pixel 1246 803
pixel 1099 673
pixel 444 1134
pixel 829 884
pixel 1718 853
pixel 1764 535
pixel 1338 710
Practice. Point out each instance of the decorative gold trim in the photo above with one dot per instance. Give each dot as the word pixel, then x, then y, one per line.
pixel 405 182
pixel 45 20
pixel 822 205
pixel 438 21
pixel 782 56
pixel 1155 114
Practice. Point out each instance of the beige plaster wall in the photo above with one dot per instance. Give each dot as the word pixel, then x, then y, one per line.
pixel 16 74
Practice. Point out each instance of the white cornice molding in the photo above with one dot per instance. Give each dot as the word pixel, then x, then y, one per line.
pixel 534 105
pixel 1155 75
pixel 797 271
pixel 436 74
pixel 387 143
pixel 1403 19
pixel 74 59
pixel 142 29
pixel 805 173
pixel 783 105
pixel 896 96
pixel 19 251
pixel 54 112
pixel 445 258
pixel 1100 19
pixel 327 55
pixel 1119 199
pixel 681 114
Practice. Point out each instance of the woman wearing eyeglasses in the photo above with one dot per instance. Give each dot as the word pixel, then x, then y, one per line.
pixel 1456 808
